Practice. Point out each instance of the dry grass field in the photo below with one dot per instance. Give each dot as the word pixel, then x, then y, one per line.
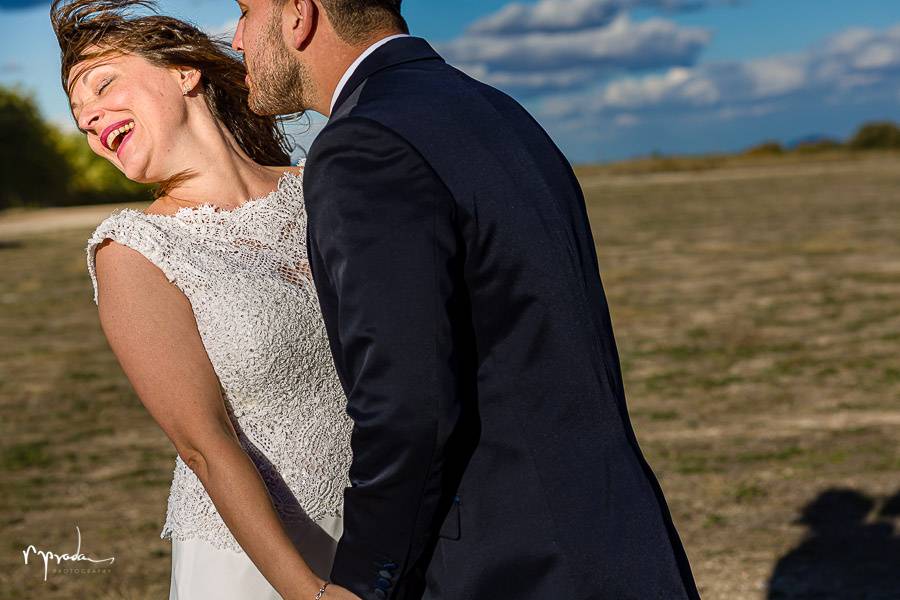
pixel 757 312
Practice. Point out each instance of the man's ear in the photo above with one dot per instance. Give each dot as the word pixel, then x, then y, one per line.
pixel 300 22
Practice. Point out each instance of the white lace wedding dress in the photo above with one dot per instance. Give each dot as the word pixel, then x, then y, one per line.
pixel 246 274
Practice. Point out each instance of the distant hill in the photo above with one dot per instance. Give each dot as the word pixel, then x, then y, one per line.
pixel 813 139
pixel 874 136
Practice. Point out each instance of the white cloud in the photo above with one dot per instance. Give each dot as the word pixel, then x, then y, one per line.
pixel 524 82
pixel 848 68
pixel 778 75
pixel 622 43
pixel 731 113
pixel 537 62
pixel 573 15
pixel 536 48
pixel 877 56
pixel 679 83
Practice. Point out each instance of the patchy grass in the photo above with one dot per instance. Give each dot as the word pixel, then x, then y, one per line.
pixel 77 447
pixel 756 303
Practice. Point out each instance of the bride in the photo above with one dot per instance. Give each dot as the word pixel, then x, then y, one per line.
pixel 207 301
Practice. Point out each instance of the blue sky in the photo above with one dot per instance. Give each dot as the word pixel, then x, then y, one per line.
pixel 612 78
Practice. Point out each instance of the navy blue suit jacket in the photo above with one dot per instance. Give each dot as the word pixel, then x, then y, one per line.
pixel 493 453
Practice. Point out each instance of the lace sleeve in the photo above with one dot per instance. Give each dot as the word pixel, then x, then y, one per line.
pixel 129 229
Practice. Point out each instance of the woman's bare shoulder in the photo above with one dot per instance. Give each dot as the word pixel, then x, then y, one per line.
pixel 161 206
pixel 126 272
pixel 294 169
pixel 120 264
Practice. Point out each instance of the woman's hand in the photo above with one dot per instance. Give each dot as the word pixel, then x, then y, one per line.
pixel 332 592
pixel 336 592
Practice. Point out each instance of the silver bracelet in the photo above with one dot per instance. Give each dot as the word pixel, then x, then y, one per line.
pixel 321 593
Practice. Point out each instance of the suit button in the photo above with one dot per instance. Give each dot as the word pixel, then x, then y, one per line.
pixel 385 574
pixel 389 566
pixel 383 583
pixel 380 593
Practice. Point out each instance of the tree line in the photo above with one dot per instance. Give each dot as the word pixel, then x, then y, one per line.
pixel 41 166
pixel 877 135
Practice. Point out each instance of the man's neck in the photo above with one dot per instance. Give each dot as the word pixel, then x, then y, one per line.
pixel 351 62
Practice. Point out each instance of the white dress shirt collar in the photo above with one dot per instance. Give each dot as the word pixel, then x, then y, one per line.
pixel 356 63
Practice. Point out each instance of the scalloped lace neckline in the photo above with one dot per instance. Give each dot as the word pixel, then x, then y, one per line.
pixel 208 208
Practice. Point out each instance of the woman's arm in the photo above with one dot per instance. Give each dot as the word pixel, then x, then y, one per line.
pixel 153 333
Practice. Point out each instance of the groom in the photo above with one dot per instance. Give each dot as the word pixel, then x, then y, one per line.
pixel 494 458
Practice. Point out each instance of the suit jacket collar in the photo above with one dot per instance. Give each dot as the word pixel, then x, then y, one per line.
pixel 395 52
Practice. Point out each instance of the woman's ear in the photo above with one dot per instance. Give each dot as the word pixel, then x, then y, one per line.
pixel 300 21
pixel 188 79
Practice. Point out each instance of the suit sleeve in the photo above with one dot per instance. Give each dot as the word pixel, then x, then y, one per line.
pixel 384 255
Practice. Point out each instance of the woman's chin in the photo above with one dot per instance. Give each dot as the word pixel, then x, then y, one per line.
pixel 131 174
pixel 133 169
pixel 138 166
pixel 142 178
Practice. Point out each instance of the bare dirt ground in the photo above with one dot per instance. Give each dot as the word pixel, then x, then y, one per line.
pixel 27 222
pixel 757 312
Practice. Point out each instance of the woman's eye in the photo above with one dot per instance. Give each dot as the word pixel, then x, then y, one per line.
pixel 103 85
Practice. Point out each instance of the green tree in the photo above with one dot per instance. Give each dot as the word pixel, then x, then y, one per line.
pixel 41 166
pixel 95 180
pixel 32 168
pixel 876 135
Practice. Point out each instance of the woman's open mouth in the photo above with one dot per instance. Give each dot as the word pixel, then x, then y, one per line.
pixel 115 136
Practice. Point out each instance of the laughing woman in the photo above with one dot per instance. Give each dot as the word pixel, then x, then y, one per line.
pixel 207 302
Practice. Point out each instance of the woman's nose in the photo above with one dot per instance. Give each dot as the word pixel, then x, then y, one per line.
pixel 89 118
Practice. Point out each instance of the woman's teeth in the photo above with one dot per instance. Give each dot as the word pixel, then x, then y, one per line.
pixel 116 136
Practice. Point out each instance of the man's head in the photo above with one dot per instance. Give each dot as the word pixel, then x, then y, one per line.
pixel 357 21
pixel 292 48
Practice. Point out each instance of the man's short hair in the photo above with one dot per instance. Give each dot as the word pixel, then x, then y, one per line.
pixel 355 21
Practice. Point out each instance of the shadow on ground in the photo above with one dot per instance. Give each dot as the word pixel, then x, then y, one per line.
pixel 852 550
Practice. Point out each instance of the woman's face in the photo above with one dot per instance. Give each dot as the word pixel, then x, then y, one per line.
pixel 134 114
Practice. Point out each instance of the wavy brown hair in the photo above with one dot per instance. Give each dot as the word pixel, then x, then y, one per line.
pixel 89 29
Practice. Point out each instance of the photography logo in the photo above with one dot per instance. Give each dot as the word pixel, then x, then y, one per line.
pixel 49 557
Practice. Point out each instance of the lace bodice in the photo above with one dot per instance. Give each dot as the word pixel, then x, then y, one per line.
pixel 246 274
